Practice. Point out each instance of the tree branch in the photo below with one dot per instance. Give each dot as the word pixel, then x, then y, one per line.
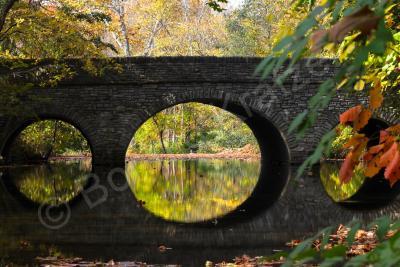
pixel 5 6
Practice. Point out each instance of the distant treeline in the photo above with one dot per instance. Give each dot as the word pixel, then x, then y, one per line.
pixel 192 127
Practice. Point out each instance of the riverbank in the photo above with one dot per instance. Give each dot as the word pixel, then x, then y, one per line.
pixel 247 152
pixel 192 156
pixel 364 242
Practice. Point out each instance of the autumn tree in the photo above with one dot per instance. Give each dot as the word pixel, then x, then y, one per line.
pixel 365 37
pixel 253 27
pixel 37 30
pixel 192 127
pixel 167 28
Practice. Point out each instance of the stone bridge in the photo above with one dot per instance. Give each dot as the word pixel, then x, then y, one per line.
pixel 109 109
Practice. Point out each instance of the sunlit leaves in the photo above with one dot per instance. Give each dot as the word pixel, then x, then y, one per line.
pixel 376 96
pixel 363 35
pixel 192 126
pixel 363 20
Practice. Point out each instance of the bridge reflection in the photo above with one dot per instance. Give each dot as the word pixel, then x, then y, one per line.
pixel 118 227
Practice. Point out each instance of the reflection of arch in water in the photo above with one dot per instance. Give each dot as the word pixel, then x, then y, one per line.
pixel 48 184
pixel 362 193
pixel 275 157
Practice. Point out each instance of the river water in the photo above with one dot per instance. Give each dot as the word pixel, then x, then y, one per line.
pixel 181 191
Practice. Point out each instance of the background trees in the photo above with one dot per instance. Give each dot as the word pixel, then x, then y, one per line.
pixel 192 127
pixel 45 139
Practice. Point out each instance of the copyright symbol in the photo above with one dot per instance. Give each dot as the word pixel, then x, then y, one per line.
pixel 54 217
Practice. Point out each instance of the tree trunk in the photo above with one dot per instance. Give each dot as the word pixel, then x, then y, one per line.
pixel 160 134
pixel 150 43
pixel 50 151
pixel 5 6
pixel 124 31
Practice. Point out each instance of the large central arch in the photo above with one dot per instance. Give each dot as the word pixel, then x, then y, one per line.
pixel 274 148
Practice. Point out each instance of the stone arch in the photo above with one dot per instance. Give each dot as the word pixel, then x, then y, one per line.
pixel 223 100
pixel 17 126
pixel 269 128
pixel 374 195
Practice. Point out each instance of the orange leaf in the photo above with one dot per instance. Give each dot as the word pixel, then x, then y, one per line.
pixel 375 96
pixel 372 151
pixel 376 149
pixel 373 167
pixel 355 141
pixel 347 169
pixel 362 119
pixel 350 115
pixel 394 130
pixel 392 172
pixel 388 156
pixel 359 150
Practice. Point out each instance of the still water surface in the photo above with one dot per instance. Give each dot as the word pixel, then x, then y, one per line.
pixel 53 183
pixel 329 173
pixel 192 190
pixel 176 190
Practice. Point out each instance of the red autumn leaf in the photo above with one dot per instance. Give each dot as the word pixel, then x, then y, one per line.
pixel 383 136
pixel 347 169
pixel 362 119
pixel 350 115
pixel 363 20
pixel 372 151
pixel 355 141
pixel 387 158
pixel 392 172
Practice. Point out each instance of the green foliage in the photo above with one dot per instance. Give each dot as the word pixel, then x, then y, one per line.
pixel 375 46
pixel 59 30
pixel 344 134
pixel 387 253
pixel 257 25
pixel 192 127
pixel 47 138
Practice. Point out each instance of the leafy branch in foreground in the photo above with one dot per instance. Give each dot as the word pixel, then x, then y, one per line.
pixel 348 246
pixel 58 30
pixel 364 35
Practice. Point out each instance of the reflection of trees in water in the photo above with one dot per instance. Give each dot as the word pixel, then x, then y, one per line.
pixel 192 190
pixel 329 173
pixel 53 183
